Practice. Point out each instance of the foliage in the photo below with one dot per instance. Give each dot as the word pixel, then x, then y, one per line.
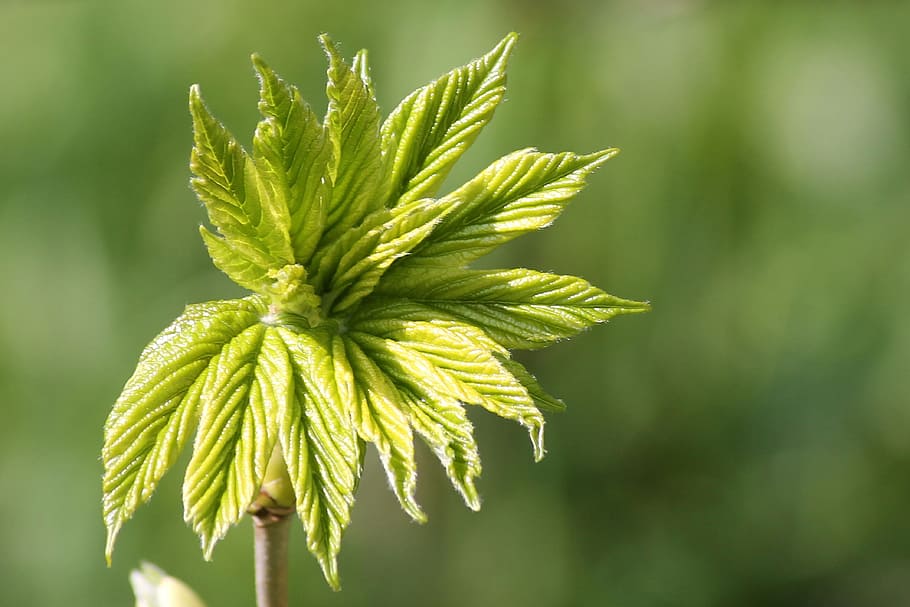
pixel 365 325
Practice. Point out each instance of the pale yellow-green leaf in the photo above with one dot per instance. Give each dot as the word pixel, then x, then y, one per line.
pixel 235 264
pixel 380 418
pixel 519 308
pixel 355 166
pixel 292 152
pixel 519 193
pixel 357 274
pixel 157 411
pixel 433 402
pixel 229 185
pixel 320 446
pixel 542 398
pixel 432 127
pixel 481 374
pixel 246 384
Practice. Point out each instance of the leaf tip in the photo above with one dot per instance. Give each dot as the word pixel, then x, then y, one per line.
pixel 112 532
pixel 555 405
pixel 208 547
pixel 197 107
pixel 470 495
pixel 618 306
pixel 211 241
pixel 414 511
pixel 598 158
pixel 535 430
pixel 328 45
pixel 508 43
pixel 502 51
pixel 330 572
pixel 195 95
pixel 635 307
pixel 262 69
pixel 361 60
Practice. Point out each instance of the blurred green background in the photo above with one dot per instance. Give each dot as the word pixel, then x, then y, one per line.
pixel 746 443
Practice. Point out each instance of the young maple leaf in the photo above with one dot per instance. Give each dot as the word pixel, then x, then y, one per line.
pixel 365 325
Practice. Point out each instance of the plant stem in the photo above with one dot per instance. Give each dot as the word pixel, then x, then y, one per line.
pixel 271 533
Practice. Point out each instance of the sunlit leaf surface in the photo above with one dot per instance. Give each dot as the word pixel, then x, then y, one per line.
pixel 365 325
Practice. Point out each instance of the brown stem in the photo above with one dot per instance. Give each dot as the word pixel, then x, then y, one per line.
pixel 271 533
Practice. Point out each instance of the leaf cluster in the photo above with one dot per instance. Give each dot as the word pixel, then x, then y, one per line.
pixel 365 323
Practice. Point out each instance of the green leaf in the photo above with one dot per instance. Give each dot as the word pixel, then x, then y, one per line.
pixel 477 369
pixel 365 253
pixel 520 309
pixel 246 384
pixel 432 127
pixel 361 66
pixel 380 419
pixel 157 411
pixel 413 369
pixel 452 351
pixel 236 265
pixel 292 152
pixel 542 399
pixel 320 446
pixel 366 326
pixel 522 192
pixel 433 402
pixel 444 426
pixel 355 166
pixel 228 184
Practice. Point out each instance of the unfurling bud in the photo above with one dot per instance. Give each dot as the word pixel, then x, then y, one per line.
pixel 276 495
pixel 155 588
pixel 291 294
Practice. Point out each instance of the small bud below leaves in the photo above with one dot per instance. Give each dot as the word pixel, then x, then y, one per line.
pixel 276 495
pixel 155 588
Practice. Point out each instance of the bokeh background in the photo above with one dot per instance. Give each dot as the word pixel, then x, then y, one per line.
pixel 746 443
